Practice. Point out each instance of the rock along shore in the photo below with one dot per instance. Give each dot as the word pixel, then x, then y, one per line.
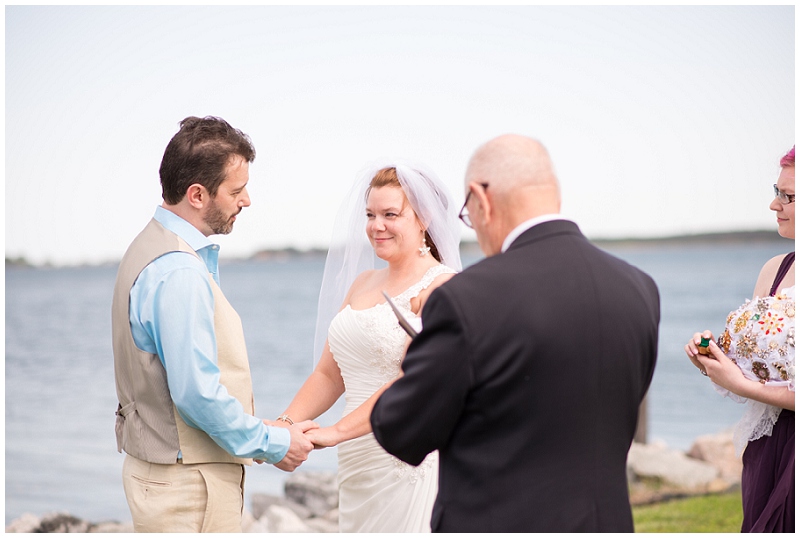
pixel 310 503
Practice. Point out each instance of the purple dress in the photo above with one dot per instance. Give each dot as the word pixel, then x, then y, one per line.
pixel 768 474
pixel 768 479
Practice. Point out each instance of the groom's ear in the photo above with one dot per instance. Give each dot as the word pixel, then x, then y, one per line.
pixel 197 196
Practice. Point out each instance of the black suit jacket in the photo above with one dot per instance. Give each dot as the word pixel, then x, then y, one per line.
pixel 527 378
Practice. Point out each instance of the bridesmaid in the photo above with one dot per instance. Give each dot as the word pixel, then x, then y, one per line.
pixel 759 341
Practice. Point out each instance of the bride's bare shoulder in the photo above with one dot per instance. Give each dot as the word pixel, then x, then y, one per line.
pixel 363 282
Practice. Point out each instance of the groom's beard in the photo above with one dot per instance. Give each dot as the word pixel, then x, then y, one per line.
pixel 218 221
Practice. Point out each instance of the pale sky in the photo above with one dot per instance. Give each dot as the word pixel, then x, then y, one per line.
pixel 659 120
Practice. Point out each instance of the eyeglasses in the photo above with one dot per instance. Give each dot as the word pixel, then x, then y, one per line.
pixel 464 214
pixel 782 196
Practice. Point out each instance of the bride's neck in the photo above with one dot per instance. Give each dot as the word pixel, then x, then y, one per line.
pixel 408 267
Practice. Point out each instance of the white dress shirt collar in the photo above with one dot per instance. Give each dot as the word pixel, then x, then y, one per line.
pixel 527 225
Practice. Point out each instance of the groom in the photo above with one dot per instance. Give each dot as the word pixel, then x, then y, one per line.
pixel 529 371
pixel 185 414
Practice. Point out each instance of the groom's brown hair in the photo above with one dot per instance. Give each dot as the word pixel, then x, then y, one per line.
pixel 199 153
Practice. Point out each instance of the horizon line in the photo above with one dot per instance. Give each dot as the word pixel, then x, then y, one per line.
pixel 287 252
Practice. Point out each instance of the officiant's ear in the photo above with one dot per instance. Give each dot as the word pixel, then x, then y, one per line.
pixel 483 206
pixel 197 196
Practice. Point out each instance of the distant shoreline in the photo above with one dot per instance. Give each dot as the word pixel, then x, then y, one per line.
pixel 759 236
pixel 471 248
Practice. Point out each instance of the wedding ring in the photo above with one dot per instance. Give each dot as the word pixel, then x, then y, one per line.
pixel 285 418
pixel 704 373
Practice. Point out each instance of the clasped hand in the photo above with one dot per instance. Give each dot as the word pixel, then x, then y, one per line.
pixel 300 445
pixel 305 437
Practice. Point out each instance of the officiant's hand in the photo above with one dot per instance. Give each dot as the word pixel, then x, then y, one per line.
pixel 300 445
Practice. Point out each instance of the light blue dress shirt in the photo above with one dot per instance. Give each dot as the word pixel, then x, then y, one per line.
pixel 172 315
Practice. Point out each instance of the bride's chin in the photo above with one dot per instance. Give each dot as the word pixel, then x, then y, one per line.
pixel 386 254
pixel 382 255
pixel 379 250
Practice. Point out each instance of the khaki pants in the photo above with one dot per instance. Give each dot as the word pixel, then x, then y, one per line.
pixel 203 497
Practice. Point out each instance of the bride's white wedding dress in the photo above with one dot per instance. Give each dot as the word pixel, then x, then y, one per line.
pixel 378 492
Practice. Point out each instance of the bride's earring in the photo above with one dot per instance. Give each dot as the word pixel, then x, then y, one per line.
pixel 424 249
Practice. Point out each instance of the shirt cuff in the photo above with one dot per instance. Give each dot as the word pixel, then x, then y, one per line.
pixel 278 441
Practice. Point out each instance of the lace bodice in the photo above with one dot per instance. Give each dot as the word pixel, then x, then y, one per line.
pixel 368 345
pixel 377 491
pixel 759 338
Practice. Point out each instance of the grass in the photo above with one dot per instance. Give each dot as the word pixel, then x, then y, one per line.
pixel 708 513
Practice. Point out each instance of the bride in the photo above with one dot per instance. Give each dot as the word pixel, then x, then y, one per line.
pixel 411 224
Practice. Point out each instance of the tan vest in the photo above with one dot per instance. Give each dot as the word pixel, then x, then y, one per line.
pixel 148 424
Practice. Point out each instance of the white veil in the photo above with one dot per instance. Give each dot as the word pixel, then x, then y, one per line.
pixel 350 252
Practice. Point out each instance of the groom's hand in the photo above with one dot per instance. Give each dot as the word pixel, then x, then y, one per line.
pixel 300 446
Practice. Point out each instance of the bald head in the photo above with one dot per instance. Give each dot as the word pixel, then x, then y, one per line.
pixel 521 186
pixel 511 161
pixel 520 174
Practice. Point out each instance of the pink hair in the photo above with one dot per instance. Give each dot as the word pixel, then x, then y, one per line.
pixel 788 160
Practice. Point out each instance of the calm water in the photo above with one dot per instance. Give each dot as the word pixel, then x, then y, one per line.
pixel 60 396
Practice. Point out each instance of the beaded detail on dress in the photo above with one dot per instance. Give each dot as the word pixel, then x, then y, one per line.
pixel 413 473
pixel 378 492
pixel 385 336
pixel 759 337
